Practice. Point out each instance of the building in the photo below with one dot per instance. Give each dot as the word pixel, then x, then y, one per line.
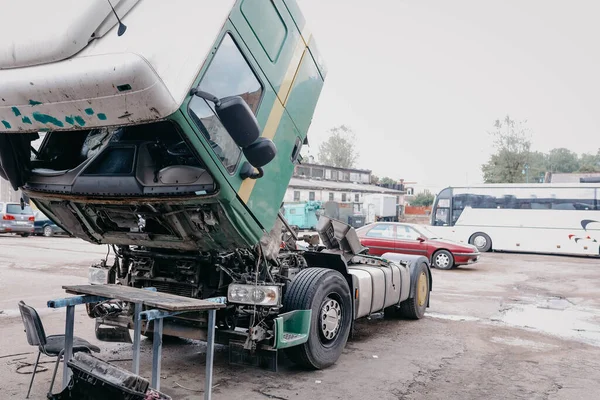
pixel 7 193
pixel 315 182
pixel 575 177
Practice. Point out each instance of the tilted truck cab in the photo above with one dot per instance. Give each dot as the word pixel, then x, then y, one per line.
pixel 172 138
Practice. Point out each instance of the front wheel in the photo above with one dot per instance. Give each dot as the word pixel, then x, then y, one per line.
pixel 327 294
pixel 24 234
pixel 443 259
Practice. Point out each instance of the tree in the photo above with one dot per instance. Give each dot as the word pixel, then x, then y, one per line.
pixel 387 181
pixel 563 160
pixel 374 179
pixel 589 162
pixel 512 143
pixel 424 199
pixel 339 149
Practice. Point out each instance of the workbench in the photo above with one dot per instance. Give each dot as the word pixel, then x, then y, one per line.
pixel 158 306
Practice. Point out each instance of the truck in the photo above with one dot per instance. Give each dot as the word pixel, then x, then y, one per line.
pixel 380 207
pixel 170 131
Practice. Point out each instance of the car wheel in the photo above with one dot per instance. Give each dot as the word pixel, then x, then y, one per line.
pixel 443 259
pixel 326 293
pixel 48 231
pixel 481 241
pixel 24 234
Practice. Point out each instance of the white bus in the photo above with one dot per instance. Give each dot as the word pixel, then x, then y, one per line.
pixel 536 218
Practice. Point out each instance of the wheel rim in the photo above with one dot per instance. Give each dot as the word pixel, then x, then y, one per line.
pixel 442 260
pixel 422 289
pixel 480 241
pixel 330 318
pixel 47 231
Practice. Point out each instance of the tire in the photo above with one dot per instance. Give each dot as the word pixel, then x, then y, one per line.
pixel 48 232
pixel 442 259
pixel 24 234
pixel 481 241
pixel 414 308
pixel 326 293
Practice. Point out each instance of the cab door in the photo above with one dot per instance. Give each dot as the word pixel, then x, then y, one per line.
pixel 273 40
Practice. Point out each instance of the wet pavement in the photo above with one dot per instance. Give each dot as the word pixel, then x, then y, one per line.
pixel 513 326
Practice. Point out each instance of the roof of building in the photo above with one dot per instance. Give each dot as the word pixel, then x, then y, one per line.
pixel 306 164
pixel 339 186
pixel 572 177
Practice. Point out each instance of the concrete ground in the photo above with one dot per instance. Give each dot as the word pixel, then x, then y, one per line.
pixel 512 326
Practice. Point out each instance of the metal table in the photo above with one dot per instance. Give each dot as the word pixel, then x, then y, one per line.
pixel 161 305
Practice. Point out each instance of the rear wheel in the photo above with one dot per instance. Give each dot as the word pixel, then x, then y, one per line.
pixel 481 241
pixel 48 231
pixel 414 308
pixel 443 259
pixel 327 294
pixel 24 234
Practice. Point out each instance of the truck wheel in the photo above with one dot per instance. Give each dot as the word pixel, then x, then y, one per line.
pixel 481 241
pixel 326 293
pixel 414 308
pixel 442 259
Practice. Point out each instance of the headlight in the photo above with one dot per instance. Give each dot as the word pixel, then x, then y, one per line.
pixel 251 294
pixel 97 276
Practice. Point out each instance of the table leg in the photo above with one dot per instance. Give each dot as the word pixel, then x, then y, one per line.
pixel 156 353
pixel 137 333
pixel 68 353
pixel 210 348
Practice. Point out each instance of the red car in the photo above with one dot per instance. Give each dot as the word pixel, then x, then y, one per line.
pixel 393 237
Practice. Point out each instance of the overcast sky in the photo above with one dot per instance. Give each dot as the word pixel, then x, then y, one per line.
pixel 422 81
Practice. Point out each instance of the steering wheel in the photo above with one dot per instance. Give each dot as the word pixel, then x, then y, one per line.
pixel 179 149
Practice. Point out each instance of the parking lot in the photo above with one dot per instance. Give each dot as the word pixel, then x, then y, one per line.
pixel 511 326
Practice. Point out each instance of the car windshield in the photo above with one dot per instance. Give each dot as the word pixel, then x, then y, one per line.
pixel 426 232
pixel 16 209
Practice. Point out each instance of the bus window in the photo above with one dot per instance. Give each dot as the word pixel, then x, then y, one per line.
pixel 442 217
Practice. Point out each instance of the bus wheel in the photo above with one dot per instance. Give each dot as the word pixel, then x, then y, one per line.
pixel 481 241
pixel 442 259
pixel 326 293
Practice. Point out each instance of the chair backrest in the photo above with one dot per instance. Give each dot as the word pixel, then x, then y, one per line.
pixel 36 336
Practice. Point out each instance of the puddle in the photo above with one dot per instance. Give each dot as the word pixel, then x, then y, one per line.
pixel 515 341
pixel 451 317
pixel 554 316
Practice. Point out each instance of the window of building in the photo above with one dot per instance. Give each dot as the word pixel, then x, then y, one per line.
pixel 354 176
pixel 311 196
pixel 343 196
pixel 302 171
pixel 318 173
pixel 331 196
pixel 228 74
pixel 345 176
pixel 296 195
pixel 334 175
pixel 356 198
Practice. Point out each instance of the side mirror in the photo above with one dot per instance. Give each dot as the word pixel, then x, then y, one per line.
pixel 420 239
pixel 261 152
pixel 239 120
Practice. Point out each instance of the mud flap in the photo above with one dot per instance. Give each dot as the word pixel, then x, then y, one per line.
pixel 112 333
pixel 261 357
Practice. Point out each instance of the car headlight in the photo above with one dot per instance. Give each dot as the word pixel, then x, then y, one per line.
pixel 260 295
